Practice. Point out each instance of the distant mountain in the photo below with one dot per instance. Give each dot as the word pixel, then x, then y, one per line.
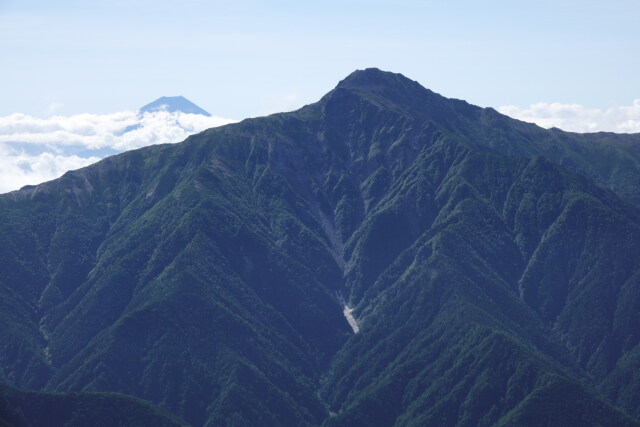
pixel 492 267
pixel 174 104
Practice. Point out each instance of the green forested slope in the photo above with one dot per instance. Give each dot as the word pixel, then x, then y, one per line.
pixel 492 265
pixel 20 408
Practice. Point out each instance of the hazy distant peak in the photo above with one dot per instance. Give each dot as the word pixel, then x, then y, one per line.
pixel 174 104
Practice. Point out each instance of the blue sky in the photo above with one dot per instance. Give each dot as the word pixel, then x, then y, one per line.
pixel 77 71
pixel 246 58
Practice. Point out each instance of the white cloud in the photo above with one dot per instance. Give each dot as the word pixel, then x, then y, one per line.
pixel 577 118
pixel 55 139
pixel 121 131
pixel 18 169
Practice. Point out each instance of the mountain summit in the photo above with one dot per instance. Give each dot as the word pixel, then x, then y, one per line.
pixel 174 104
pixel 385 256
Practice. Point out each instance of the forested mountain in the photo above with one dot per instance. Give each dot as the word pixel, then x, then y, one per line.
pixel 493 267
pixel 29 408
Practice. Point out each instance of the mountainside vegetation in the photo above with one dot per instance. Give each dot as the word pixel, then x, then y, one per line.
pixel 29 408
pixel 492 267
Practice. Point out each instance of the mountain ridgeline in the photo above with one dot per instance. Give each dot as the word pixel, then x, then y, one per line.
pixel 492 266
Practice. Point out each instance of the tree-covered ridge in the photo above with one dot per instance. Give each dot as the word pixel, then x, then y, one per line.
pixel 490 263
pixel 30 408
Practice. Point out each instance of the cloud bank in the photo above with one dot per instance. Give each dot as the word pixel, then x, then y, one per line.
pixel 18 169
pixel 577 118
pixel 120 131
pixel 33 150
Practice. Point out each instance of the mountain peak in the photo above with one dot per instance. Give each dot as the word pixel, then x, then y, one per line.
pixel 374 77
pixel 395 92
pixel 385 89
pixel 174 104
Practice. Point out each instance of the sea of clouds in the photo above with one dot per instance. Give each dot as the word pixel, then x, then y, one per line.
pixel 577 118
pixel 34 150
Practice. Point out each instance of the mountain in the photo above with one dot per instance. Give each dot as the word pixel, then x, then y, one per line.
pixel 491 266
pixel 173 104
pixel 20 408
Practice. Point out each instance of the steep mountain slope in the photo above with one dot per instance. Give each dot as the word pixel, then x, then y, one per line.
pixel 493 275
pixel 187 296
pixel 78 409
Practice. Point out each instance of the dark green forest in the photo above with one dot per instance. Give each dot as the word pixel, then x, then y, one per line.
pixel 493 268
